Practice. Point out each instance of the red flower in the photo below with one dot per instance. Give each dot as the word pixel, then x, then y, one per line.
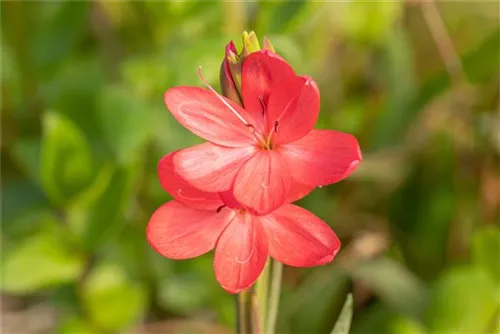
pixel 264 150
pixel 196 222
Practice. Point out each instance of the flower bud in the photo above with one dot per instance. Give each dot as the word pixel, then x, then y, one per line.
pixel 250 43
pixel 267 45
pixel 230 69
pixel 230 72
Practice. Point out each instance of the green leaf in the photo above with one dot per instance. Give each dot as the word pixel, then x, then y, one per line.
pixel 40 262
pixel 74 325
pixel 125 122
pixel 98 214
pixel 374 318
pixel 66 163
pixel 486 250
pixel 19 198
pixel 465 300
pixel 393 283
pixel 27 153
pixel 343 323
pixel 301 311
pixel 112 301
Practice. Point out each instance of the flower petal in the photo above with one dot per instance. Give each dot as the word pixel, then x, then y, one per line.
pixel 298 238
pixel 298 190
pixel 241 253
pixel 211 167
pixel 262 183
pixel 203 113
pixel 181 190
pixel 293 109
pixel 179 232
pixel 228 199
pixel 322 157
pixel 260 71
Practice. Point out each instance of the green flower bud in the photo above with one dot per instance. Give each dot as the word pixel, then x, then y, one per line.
pixel 230 72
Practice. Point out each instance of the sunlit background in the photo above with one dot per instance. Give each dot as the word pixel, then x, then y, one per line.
pixel 84 125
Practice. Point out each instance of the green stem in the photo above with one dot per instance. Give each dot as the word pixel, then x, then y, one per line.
pixel 244 313
pixel 274 297
pixel 262 295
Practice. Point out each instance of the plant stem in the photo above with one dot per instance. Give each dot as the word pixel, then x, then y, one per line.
pixel 443 40
pixel 244 313
pixel 262 295
pixel 274 297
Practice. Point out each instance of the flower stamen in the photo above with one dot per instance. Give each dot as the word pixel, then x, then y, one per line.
pixel 237 114
pixel 263 105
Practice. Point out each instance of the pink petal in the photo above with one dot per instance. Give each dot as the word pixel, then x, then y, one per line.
pixel 204 114
pixel 322 157
pixel 262 183
pixel 298 190
pixel 228 199
pixel 240 254
pixel 293 109
pixel 298 238
pixel 178 232
pixel 259 72
pixel 211 167
pixel 182 191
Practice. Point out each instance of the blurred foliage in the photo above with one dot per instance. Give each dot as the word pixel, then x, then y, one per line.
pixel 83 127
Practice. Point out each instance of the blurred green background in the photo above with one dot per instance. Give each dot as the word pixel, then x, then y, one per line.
pixel 84 125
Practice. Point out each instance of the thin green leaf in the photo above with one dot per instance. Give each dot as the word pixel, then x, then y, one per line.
pixel 394 284
pixel 343 323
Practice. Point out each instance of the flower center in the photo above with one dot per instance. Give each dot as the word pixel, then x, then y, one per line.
pixel 267 143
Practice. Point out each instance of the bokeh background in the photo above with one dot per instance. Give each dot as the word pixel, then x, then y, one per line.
pixel 83 127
